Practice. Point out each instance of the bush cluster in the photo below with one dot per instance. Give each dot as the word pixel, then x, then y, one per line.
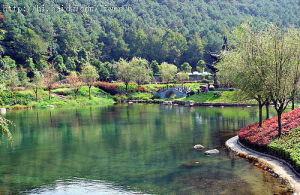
pixel 287 147
pixel 111 88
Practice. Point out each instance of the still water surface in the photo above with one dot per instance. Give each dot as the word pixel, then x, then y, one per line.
pixel 128 149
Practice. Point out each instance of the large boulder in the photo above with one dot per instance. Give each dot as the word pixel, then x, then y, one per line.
pixel 198 147
pixel 212 152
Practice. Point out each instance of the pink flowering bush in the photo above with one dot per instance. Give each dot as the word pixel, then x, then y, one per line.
pixel 261 136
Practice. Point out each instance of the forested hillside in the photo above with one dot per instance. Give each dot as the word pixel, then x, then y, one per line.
pixel 176 31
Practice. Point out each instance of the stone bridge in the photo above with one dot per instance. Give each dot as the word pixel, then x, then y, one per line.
pixel 170 92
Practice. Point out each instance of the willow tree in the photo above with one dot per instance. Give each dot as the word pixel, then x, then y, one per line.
pixel 242 67
pixel 282 56
pixel 265 65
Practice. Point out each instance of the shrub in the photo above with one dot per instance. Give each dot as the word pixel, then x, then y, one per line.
pixel 204 81
pixel 119 98
pixel 287 147
pixel 110 88
pixel 260 137
pixel 217 94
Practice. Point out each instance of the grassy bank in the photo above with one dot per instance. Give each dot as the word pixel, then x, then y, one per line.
pixel 287 147
pixel 62 96
pixel 219 97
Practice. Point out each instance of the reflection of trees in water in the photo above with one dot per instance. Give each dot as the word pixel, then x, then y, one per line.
pixel 131 144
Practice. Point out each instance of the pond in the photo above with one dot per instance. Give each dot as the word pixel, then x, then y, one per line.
pixel 128 149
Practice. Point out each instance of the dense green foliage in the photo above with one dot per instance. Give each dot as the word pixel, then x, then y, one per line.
pixel 288 147
pixel 164 30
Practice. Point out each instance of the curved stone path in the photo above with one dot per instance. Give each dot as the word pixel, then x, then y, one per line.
pixel 279 166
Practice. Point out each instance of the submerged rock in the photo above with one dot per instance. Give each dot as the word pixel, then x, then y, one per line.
pixel 191 164
pixel 212 152
pixel 198 147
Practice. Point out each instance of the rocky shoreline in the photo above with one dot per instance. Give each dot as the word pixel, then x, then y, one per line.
pixel 277 167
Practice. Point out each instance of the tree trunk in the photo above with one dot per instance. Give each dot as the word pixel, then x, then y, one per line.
pixel 260 106
pixel 36 94
pixel 90 91
pixel 293 102
pixel 49 96
pixel 126 87
pixel 267 111
pixel 279 122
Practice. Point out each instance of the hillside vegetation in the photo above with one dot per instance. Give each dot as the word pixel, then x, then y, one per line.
pixel 175 31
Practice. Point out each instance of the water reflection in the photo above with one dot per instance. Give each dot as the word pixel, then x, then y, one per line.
pixel 138 147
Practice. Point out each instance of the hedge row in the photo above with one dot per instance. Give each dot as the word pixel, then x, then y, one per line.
pixel 287 147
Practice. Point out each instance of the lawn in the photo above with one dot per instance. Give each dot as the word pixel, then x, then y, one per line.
pixel 62 96
pixel 219 97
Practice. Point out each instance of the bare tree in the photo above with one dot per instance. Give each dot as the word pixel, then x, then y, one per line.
pixel 50 78
pixel 75 81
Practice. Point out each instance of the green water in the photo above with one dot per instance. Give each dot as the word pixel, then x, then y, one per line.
pixel 128 149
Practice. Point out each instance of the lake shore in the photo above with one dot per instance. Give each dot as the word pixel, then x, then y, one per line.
pixel 276 166
pixel 188 103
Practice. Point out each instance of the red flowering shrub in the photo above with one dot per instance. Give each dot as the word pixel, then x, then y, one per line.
pixel 261 136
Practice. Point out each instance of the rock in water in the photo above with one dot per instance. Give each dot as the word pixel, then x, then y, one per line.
pixel 198 147
pixel 212 152
pixel 191 164
pixel 2 111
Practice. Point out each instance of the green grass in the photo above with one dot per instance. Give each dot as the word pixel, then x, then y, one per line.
pixel 288 147
pixel 141 96
pixel 26 98
pixel 226 97
pixel 193 86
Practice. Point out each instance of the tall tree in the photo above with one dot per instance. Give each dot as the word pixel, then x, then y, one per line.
pixel 125 72
pixel 186 67
pixel 89 76
pixel 37 82
pixel 167 72
pixel 141 70
pixel 242 69
pixel 12 80
pixel 195 51
pixel 23 77
pixel 181 77
pixel 282 54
